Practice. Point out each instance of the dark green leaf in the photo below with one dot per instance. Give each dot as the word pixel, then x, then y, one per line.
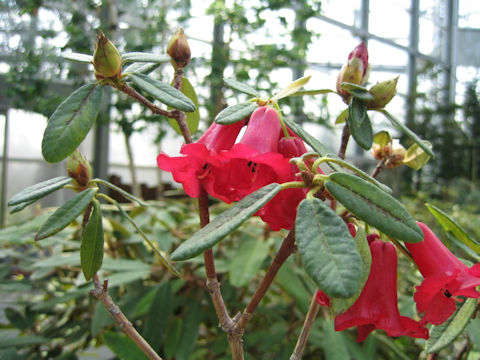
pixel 120 191
pixel 78 57
pixel 191 324
pixel 37 191
pixel 408 132
pixel 21 341
pixel 71 122
pixel 353 87
pixel 443 335
pixel 235 113
pixel 192 118
pixel 66 214
pixel 123 346
pixel 20 207
pixel 361 95
pixel 91 249
pixel 163 92
pixel 145 57
pixel 16 318
pixel 225 223
pixel 247 261
pixel 158 315
pixel 328 251
pixel 374 206
pixel 246 89
pixel 101 318
pixel 450 225
pixel 359 124
pixel 172 338
pixel 312 92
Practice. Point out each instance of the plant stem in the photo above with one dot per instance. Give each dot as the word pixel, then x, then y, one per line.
pixel 378 168
pixel 343 145
pixel 307 326
pixel 144 101
pixel 101 293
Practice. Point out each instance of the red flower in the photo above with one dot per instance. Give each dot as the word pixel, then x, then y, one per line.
pixel 445 277
pixel 376 307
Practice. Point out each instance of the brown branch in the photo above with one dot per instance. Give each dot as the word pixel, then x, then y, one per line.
pixel 378 168
pixel 307 326
pixel 177 80
pixel 101 293
pixel 343 145
pixel 144 101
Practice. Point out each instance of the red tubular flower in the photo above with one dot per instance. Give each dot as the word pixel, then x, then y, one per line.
pixel 445 277
pixel 376 307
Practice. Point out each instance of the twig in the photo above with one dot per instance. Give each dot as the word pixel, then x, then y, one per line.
pixel 101 293
pixel 177 81
pixel 307 326
pixel 378 168
pixel 141 99
pixel 343 145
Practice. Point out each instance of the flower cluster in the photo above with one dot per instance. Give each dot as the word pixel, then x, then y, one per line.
pixel 230 171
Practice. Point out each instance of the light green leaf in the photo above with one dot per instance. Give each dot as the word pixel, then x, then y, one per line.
pixel 451 226
pixel 312 92
pixel 361 95
pixel 145 57
pixel 246 89
pixel 123 346
pixel 328 252
pixel 292 88
pixel 359 124
pixel 235 113
pixel 353 87
pixel 165 93
pixel 225 223
pixel 37 191
pixel 71 122
pixel 247 261
pixel 416 157
pixel 374 206
pixel 91 249
pixel 142 68
pixel 120 191
pixel 78 57
pixel 192 118
pixel 443 335
pixel 342 117
pixel 66 214
pixel 382 138
pixel 21 341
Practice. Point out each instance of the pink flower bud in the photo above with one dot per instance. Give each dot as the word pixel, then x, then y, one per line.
pixel 356 71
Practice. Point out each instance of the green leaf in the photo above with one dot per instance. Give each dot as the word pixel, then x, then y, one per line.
pixel 22 341
pixel 382 138
pixel 66 214
pixel 142 68
pixel 328 251
pixel 408 132
pixel 342 117
pixel 91 249
pixel 316 145
pixel 312 92
pixel 192 118
pixel 37 191
pixel 247 261
pixel 172 338
pixel 20 207
pixel 353 87
pixel 243 88
pixel 443 335
pixel 120 191
pixel 123 346
pixel 291 88
pixel 359 124
pixel 145 57
pixel 225 223
pixel 78 57
pixel 165 93
pixel 416 157
pixel 361 95
pixel 16 318
pixel 374 206
pixel 235 113
pixel 71 122
pixel 451 226
pixel 191 325
pixel 158 315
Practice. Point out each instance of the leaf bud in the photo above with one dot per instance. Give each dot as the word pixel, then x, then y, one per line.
pixel 382 92
pixel 107 61
pixel 79 169
pixel 179 50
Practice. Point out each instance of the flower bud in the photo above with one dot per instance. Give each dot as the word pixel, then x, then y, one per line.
pixel 397 155
pixel 106 59
pixel 179 50
pixel 356 71
pixel 382 93
pixel 79 169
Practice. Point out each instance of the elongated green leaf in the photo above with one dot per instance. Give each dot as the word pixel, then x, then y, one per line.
pixel 78 57
pixel 316 145
pixel 192 118
pixel 374 206
pixel 359 124
pixel 408 132
pixel 155 327
pixel 20 341
pixel 163 92
pixel 247 261
pixel 291 88
pixel 235 113
pixel 120 191
pixel 328 251
pixel 145 57
pixel 361 95
pixel 142 68
pixel 451 226
pixel 20 207
pixel 246 89
pixel 353 87
pixel 443 335
pixel 66 214
pixel 191 324
pixel 342 117
pixel 123 346
pixel 225 223
pixel 312 92
pixel 91 249
pixel 71 122
pixel 172 338
pixel 17 319
pixel 37 191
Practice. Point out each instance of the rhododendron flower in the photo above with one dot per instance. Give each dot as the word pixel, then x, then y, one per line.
pixel 445 277
pixel 376 307
pixel 356 71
